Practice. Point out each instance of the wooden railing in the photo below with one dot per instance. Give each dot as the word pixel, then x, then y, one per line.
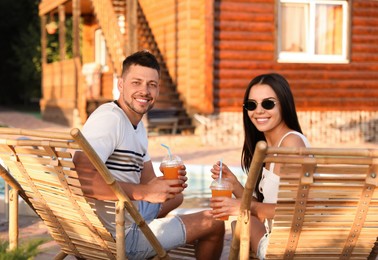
pixel 115 41
pixel 64 86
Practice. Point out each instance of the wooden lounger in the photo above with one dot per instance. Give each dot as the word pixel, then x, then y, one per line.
pixel 327 204
pixel 42 172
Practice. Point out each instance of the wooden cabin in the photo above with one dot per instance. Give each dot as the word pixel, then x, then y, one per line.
pixel 209 51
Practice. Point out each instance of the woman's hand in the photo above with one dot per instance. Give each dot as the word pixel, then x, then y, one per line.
pixel 224 206
pixel 226 173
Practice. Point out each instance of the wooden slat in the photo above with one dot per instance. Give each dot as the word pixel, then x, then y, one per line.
pixel 338 217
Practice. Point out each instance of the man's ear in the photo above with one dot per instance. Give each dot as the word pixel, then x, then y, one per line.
pixel 120 84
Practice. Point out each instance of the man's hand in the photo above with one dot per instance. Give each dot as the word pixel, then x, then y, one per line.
pixel 156 190
pixel 182 176
pixel 159 190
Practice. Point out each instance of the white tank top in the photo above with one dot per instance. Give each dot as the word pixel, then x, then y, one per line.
pixel 270 181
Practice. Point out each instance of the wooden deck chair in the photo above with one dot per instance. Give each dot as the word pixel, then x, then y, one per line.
pixel 42 172
pixel 327 204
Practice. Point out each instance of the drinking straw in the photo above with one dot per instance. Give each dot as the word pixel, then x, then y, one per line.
pixel 169 151
pixel 220 171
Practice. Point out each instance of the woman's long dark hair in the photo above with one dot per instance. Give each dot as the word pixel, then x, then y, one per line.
pixel 288 112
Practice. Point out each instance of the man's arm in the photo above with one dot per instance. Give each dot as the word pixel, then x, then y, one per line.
pixel 151 188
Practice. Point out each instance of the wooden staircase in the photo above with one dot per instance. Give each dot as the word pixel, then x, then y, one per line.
pixel 169 115
pixel 115 40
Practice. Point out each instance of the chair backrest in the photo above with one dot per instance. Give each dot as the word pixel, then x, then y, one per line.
pixel 42 164
pixel 327 202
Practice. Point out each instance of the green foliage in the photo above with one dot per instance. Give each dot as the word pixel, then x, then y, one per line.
pixel 52 49
pixel 26 251
pixel 27 56
pixel 19 51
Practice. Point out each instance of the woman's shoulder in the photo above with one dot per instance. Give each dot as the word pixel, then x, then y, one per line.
pixel 294 139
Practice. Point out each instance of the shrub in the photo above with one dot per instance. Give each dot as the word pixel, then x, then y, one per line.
pixel 26 251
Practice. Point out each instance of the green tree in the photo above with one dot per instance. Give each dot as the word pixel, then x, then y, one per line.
pixel 20 68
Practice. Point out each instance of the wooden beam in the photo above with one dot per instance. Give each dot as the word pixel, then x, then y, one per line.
pixel 47 6
pixel 13 219
pixel 208 106
pixel 132 19
pixel 62 32
pixel 43 40
pixel 76 43
pixel 75 29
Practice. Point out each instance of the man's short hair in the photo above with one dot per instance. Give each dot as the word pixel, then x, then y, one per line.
pixel 143 58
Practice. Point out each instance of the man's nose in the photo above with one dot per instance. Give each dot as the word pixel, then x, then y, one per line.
pixel 145 88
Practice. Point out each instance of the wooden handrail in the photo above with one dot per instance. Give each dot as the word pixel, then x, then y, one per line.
pixel 115 42
pixel 240 241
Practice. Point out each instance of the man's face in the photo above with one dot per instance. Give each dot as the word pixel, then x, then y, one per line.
pixel 139 88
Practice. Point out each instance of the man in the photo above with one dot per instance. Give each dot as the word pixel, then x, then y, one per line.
pixel 117 134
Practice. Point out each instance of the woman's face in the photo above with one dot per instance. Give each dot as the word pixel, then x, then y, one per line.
pixel 264 119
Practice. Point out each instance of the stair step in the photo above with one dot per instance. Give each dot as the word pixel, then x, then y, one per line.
pixel 167 105
pixel 169 127
pixel 167 95
pixel 163 113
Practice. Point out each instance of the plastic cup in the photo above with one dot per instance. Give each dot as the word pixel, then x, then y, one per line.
pixel 170 167
pixel 221 188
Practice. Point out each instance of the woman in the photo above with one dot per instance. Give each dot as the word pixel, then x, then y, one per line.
pixel 269 114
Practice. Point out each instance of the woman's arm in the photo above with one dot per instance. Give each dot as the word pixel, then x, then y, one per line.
pixel 262 210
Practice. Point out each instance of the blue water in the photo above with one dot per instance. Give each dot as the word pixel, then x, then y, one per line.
pixel 1 186
pixel 199 180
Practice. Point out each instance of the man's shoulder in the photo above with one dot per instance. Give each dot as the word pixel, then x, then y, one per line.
pixel 108 109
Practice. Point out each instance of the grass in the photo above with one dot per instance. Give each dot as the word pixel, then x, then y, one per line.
pixel 26 251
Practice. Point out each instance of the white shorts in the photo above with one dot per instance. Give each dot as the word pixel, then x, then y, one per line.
pixel 170 232
pixel 262 247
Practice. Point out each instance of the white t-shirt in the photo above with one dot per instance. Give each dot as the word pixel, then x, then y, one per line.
pixel 121 147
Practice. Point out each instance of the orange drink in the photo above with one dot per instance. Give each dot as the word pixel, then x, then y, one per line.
pixel 170 167
pixel 221 193
pixel 221 188
pixel 171 172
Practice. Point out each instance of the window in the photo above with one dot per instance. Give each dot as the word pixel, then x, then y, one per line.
pixel 100 50
pixel 313 31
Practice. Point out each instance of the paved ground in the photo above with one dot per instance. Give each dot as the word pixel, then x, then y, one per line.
pixel 189 148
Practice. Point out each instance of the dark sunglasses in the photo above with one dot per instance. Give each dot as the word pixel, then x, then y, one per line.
pixel 267 104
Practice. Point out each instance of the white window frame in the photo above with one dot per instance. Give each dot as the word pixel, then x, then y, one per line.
pixel 100 50
pixel 310 56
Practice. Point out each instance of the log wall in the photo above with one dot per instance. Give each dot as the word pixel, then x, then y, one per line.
pixel 245 47
pixel 179 30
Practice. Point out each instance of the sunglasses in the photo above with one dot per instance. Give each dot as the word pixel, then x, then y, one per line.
pixel 267 104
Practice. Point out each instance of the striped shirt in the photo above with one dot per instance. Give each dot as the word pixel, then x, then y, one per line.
pixel 122 147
